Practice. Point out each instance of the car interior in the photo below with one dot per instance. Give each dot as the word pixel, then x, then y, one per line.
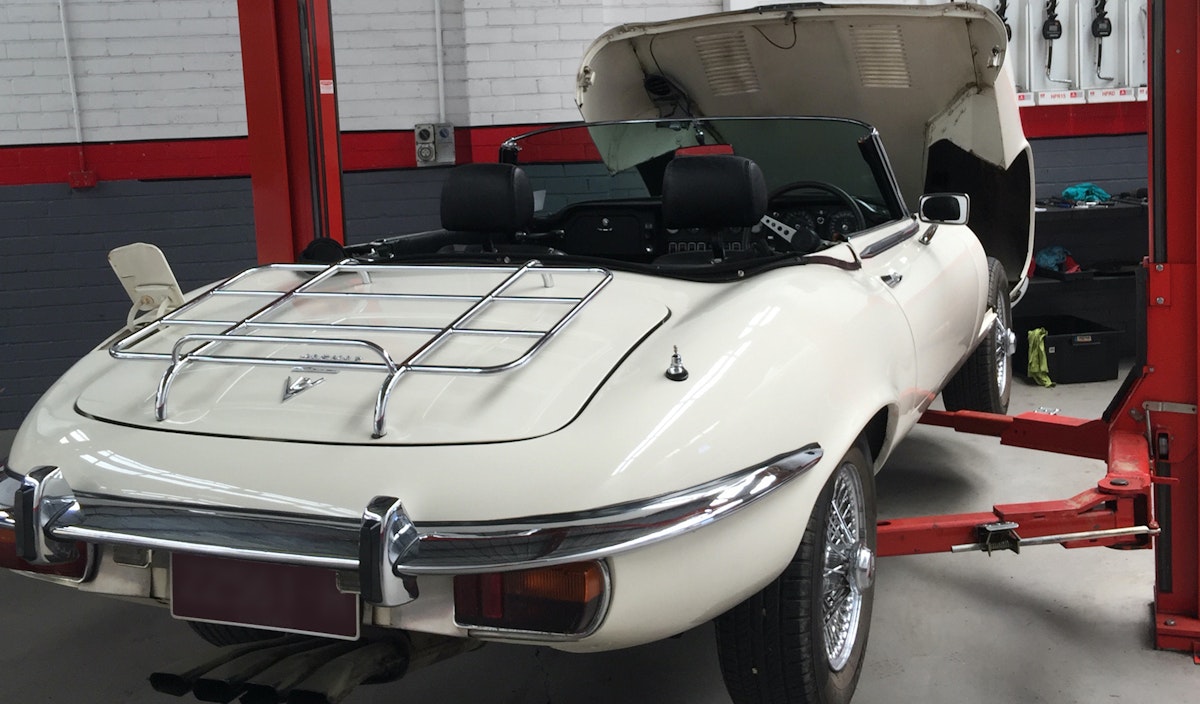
pixel 710 211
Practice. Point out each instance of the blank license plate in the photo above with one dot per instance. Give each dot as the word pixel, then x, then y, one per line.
pixel 292 598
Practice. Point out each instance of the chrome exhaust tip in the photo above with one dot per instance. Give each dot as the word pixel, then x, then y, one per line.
pixel 383 661
pixel 225 682
pixel 272 685
pixel 304 669
pixel 178 679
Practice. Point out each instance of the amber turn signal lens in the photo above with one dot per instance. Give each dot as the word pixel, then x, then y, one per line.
pixel 563 599
pixel 75 569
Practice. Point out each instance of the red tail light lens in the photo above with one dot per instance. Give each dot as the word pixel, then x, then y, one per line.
pixel 563 599
pixel 75 569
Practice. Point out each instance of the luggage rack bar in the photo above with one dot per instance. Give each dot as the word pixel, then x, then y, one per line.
pixel 203 347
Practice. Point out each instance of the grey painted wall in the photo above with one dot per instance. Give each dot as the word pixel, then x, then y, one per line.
pixel 1115 163
pixel 382 203
pixel 58 298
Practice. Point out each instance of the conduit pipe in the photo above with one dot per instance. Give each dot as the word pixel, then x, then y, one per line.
pixel 83 178
pixel 441 69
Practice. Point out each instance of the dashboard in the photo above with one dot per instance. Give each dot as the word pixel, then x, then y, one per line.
pixel 830 222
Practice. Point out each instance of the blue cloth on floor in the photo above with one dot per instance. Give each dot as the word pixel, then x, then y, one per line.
pixel 1052 258
pixel 1086 193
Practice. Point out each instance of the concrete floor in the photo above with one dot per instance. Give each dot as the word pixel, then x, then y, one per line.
pixel 1048 625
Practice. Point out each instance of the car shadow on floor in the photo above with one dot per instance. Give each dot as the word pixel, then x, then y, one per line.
pixel 925 475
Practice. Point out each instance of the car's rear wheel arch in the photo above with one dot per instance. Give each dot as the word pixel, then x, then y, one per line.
pixel 774 647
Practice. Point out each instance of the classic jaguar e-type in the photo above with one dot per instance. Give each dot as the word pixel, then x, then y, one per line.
pixel 641 379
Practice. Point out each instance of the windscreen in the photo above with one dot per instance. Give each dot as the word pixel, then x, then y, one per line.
pixel 626 160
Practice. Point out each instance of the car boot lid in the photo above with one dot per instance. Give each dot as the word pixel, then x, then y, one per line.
pixel 377 354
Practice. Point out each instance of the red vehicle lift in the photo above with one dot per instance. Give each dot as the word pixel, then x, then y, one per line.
pixel 1150 495
pixel 292 119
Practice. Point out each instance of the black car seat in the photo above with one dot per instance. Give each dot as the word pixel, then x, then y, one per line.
pixel 710 194
pixel 486 205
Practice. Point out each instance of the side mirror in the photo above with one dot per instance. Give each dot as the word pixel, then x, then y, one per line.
pixel 945 208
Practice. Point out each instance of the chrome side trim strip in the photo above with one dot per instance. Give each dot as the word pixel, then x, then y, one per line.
pixel 293 558
pixel 328 543
pixel 876 248
pixel 592 535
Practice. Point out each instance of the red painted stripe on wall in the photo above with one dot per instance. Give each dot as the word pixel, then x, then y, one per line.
pixel 1087 119
pixel 368 151
pixel 118 161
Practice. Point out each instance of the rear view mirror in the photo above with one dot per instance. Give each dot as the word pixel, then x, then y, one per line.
pixel 945 208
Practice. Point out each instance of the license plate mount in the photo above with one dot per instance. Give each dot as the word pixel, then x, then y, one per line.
pixel 271 596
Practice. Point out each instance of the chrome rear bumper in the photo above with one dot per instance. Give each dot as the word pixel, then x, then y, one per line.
pixel 386 549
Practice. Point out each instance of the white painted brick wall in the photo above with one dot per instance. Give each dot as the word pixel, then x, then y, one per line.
pixel 171 69
pixel 144 70
pixel 522 54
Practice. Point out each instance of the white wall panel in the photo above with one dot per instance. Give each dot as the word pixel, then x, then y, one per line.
pixel 143 70
pixel 171 69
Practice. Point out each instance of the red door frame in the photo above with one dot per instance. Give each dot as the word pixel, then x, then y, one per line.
pixel 292 120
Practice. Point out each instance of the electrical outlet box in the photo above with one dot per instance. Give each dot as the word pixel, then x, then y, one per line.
pixel 434 143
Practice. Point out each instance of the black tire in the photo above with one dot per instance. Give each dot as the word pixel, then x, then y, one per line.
pixel 984 383
pixel 772 647
pixel 220 634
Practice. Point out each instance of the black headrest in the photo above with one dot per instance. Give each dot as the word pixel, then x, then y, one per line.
pixel 487 198
pixel 713 190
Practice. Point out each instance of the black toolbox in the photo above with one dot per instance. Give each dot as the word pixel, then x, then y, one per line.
pixel 1077 350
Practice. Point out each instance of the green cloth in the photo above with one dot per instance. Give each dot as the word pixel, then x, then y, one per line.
pixel 1038 367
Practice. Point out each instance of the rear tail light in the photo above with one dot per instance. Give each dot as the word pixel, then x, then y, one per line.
pixel 75 569
pixel 563 599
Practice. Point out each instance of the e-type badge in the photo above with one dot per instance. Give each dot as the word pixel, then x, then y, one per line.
pixel 304 383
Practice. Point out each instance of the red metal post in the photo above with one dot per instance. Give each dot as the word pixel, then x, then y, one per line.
pixel 1163 403
pixel 329 167
pixel 291 114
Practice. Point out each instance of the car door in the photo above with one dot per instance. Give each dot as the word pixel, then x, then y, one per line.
pixel 937 275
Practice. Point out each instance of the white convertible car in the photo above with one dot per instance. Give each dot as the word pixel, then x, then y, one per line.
pixel 641 379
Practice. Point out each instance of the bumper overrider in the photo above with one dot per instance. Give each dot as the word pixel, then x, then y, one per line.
pixel 48 528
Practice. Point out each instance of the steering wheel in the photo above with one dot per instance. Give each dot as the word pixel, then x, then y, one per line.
pixel 860 222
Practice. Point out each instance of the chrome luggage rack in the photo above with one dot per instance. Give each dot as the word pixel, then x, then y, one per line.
pixel 204 347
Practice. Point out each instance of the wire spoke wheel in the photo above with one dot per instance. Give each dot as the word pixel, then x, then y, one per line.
pixel 984 382
pixel 802 639
pixel 844 545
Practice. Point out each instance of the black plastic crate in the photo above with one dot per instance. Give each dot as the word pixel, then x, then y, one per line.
pixel 1077 350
